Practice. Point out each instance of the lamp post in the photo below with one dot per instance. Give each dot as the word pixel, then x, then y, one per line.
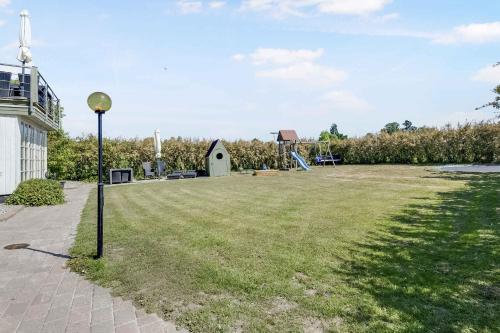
pixel 99 102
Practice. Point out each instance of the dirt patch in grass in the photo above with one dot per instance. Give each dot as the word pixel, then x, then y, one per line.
pixel 315 325
pixel 280 304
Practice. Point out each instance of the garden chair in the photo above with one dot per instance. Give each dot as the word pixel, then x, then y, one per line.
pixel 5 84
pixel 26 85
pixel 189 174
pixel 41 96
pixel 148 170
pixel 161 166
pixel 176 174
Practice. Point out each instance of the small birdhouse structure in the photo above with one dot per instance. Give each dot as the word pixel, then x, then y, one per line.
pixel 217 160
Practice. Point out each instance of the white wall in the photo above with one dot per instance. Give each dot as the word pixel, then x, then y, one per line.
pixel 10 150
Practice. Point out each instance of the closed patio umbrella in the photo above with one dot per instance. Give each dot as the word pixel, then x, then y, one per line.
pixel 157 146
pixel 24 54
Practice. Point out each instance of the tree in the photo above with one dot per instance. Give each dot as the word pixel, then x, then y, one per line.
pixel 408 126
pixel 325 136
pixel 495 103
pixel 335 132
pixel 391 127
pixel 62 155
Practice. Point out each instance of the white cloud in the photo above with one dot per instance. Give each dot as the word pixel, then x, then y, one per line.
pixel 282 8
pixel 2 23
pixel 471 33
pixel 4 3
pixel 488 74
pixel 216 4
pixel 293 65
pixel 238 57
pixel 313 74
pixel 343 100
pixel 352 7
pixel 264 56
pixel 386 18
pixel 189 7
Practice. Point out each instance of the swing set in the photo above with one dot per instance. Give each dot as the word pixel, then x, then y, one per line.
pixel 288 143
pixel 323 153
pixel 327 157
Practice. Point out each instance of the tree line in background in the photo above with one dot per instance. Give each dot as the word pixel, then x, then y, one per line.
pixel 76 158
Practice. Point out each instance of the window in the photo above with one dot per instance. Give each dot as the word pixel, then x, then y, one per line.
pixel 33 152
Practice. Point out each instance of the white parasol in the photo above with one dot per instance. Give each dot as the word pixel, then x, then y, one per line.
pixel 157 144
pixel 24 54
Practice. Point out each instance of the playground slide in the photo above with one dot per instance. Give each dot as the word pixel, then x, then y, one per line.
pixel 303 164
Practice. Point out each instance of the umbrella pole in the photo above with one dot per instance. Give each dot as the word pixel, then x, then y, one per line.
pixel 22 79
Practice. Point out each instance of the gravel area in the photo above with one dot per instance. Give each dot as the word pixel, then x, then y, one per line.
pixel 474 168
pixel 3 209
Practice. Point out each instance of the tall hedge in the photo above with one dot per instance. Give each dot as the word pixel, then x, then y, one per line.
pixel 76 158
pixel 478 143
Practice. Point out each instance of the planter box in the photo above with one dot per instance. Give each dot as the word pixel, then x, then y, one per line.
pixel 120 176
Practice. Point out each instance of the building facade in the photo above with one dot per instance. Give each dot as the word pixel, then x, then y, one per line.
pixel 29 109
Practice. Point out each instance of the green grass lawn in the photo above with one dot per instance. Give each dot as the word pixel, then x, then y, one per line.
pixel 351 249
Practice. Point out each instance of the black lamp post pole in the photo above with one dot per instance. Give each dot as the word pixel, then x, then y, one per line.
pixel 100 186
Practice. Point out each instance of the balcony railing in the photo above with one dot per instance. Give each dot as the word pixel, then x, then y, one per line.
pixel 28 85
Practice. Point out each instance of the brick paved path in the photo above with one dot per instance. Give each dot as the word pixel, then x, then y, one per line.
pixel 37 292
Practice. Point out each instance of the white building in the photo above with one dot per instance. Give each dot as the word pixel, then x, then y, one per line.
pixel 29 108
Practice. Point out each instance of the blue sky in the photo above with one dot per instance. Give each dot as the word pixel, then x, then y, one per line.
pixel 241 69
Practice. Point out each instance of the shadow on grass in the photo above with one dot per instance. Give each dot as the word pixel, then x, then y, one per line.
pixel 436 266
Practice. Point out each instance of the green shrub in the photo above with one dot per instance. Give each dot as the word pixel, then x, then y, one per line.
pixel 76 159
pixel 37 192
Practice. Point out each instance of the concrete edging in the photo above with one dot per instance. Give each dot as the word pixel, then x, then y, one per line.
pixel 11 213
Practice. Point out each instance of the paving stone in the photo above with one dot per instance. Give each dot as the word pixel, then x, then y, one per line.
pixel 49 288
pixel 9 324
pixel 15 283
pixel 16 309
pixel 124 315
pixel 57 326
pixel 155 327
pixel 82 300
pixel 127 328
pixel 87 308
pixel 68 285
pixel 63 300
pixel 37 311
pixel 124 305
pixel 81 327
pixel 101 301
pixel 42 298
pixel 3 306
pixel 38 293
pixel 105 327
pixel 58 313
pixel 102 315
pixel 30 326
pixel 76 316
